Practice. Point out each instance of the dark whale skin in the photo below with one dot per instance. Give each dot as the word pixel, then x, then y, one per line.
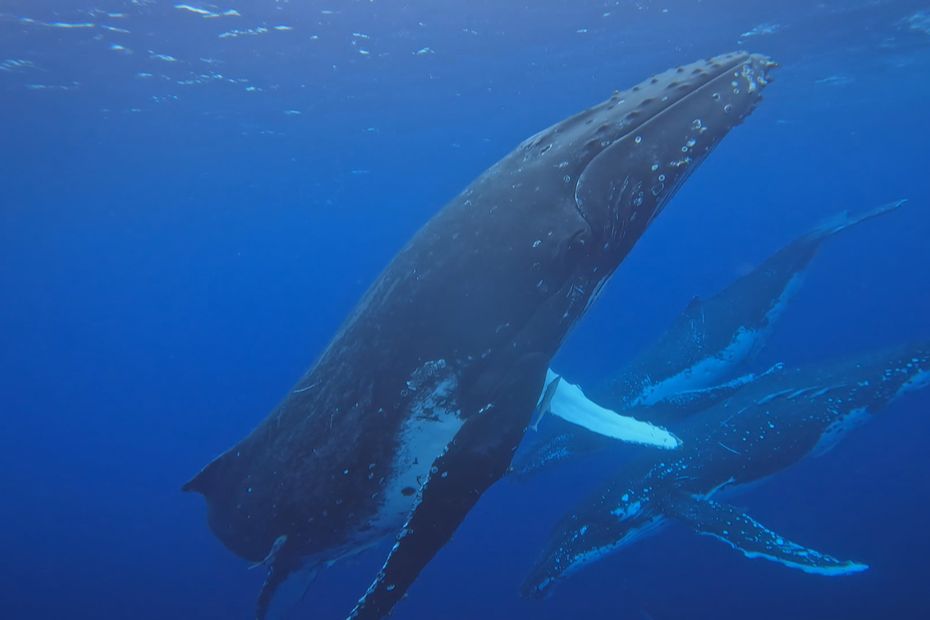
pixel 471 310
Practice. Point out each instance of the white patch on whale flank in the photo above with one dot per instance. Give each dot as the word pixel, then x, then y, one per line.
pixel 706 372
pixel 838 429
pixel 711 369
pixel 916 382
pixel 429 427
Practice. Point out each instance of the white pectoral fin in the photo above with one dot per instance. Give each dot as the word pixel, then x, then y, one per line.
pixel 690 401
pixel 544 405
pixel 568 402
pixel 753 539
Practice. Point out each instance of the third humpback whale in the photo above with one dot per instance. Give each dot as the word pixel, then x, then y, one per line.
pixel 765 427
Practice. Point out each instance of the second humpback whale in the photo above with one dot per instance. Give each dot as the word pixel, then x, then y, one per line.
pixel 416 406
pixel 764 428
pixel 697 361
pixel 713 337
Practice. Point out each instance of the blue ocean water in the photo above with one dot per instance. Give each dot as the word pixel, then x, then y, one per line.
pixel 195 196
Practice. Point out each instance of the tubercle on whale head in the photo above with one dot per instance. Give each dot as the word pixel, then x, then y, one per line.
pixel 657 155
pixel 626 156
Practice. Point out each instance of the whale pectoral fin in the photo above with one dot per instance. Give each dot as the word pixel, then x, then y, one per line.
pixel 281 563
pixel 545 400
pixel 478 456
pixel 569 403
pixel 753 539
pixel 279 543
pixel 675 407
pixel 309 578
pixel 845 220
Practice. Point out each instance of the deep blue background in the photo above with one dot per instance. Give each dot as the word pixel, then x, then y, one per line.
pixel 173 255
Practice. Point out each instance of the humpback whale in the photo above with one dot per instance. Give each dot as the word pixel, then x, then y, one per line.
pixel 712 338
pixel 767 426
pixel 417 404
pixel 697 361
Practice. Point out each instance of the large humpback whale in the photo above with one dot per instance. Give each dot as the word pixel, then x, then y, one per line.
pixel 417 404
pixel 699 359
pixel 762 429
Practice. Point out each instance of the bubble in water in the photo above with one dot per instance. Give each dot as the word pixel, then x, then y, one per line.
pixel 638 139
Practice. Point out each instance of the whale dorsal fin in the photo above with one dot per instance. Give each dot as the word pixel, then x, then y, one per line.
pixel 752 539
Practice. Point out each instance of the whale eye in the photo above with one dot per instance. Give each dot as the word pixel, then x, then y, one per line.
pixel 407 491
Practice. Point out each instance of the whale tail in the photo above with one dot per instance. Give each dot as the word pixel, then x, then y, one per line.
pixel 846 220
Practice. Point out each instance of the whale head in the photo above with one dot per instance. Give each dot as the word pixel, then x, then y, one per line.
pixel 609 524
pixel 870 381
pixel 622 159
